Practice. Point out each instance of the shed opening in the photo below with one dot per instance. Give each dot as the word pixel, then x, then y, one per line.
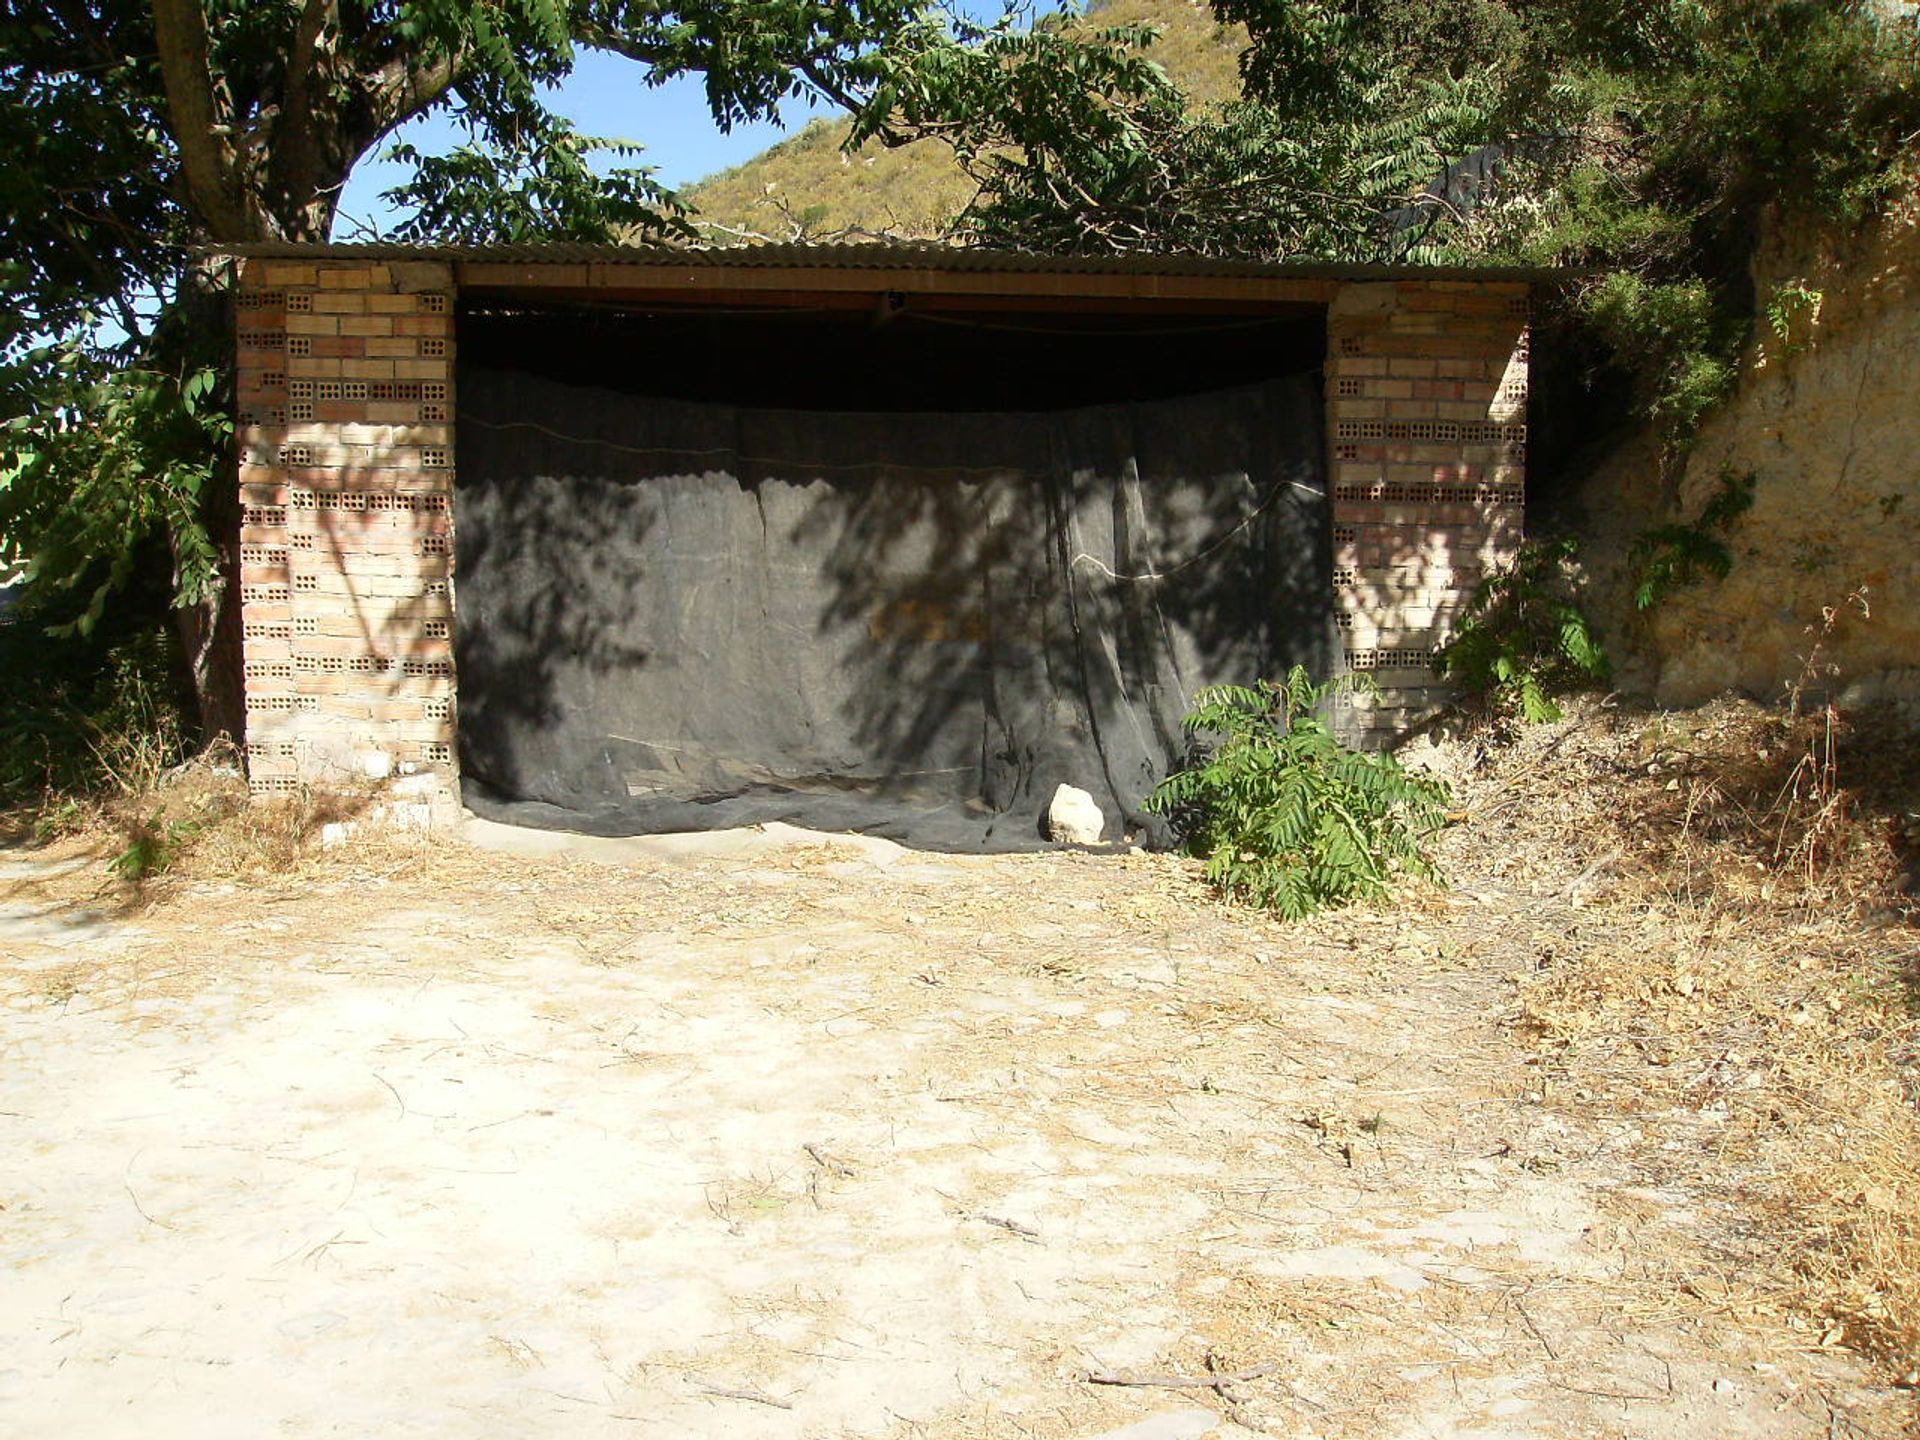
pixel 870 565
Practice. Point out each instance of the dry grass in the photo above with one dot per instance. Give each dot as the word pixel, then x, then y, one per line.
pixel 167 829
pixel 1744 983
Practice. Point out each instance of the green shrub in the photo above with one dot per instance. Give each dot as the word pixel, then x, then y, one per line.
pixel 1681 339
pixel 1286 816
pixel 1523 640
pixel 154 842
pixel 88 715
pixel 1793 312
pixel 1670 556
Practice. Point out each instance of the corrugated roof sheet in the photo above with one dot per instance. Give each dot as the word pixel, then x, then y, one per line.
pixel 895 255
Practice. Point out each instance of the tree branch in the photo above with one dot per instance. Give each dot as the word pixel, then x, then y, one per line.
pixel 206 151
pixel 289 142
pixel 296 109
pixel 830 87
pixel 400 90
pixel 598 35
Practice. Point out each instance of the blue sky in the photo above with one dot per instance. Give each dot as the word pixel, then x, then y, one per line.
pixel 608 95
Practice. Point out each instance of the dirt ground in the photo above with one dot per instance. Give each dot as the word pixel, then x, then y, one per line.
pixel 796 1138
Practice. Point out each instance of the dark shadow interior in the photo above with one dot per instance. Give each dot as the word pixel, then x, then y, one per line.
pixel 872 572
pixel 885 356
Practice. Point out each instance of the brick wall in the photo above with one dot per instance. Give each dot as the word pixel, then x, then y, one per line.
pixel 1426 420
pixel 345 400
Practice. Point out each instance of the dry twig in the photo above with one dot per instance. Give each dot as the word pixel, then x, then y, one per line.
pixel 1025 1232
pixel 1218 1382
pixel 738 1392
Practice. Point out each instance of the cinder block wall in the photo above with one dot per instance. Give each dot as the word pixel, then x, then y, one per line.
pixel 1427 442
pixel 345 399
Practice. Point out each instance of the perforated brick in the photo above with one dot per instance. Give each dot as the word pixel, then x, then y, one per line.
pixel 1440 421
pixel 1383 657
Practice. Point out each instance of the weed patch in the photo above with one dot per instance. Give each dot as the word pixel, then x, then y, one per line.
pixel 1286 816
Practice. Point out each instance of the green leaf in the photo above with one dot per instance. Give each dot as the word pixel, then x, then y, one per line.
pixel 1288 818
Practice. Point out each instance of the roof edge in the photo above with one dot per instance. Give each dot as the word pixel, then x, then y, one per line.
pixel 885 256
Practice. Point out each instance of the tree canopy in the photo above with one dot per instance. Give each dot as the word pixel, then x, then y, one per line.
pixel 136 132
pixel 1422 128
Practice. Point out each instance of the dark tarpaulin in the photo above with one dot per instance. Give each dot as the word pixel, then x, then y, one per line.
pixel 681 616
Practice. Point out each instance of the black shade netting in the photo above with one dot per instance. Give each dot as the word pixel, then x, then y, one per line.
pixel 680 616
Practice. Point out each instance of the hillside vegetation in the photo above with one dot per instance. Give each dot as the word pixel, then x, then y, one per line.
pixel 808 186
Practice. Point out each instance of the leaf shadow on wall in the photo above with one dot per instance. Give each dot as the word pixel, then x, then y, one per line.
pixel 547 575
pixel 1044 613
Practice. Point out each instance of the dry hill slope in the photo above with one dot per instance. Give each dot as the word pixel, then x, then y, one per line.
pixel 807 186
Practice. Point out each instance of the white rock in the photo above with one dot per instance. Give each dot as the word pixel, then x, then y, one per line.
pixel 336 832
pixel 1073 818
pixel 403 815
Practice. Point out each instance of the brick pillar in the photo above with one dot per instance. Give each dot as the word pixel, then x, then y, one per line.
pixel 345 390
pixel 1426 413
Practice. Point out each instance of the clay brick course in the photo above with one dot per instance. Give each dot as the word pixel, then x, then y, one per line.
pixel 346 527
pixel 1426 411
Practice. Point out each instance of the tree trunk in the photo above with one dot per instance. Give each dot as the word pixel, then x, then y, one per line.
pixel 209 632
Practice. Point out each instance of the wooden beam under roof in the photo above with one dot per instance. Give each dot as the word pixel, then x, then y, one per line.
pixel 709 283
